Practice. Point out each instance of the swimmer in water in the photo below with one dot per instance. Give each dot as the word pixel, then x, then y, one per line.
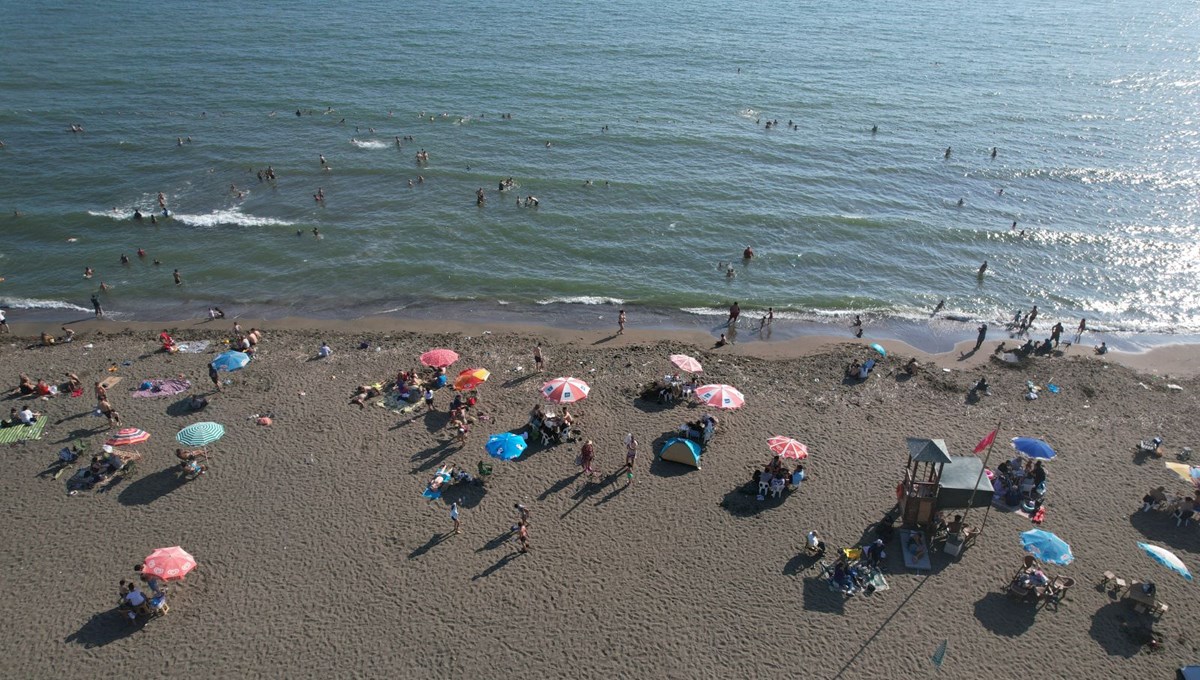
pixel 874 129
pixel 153 219
pixel 162 200
pixel 141 252
pixel 729 273
pixel 177 277
pixel 157 262
pixel 947 154
pixel 124 258
pixel 103 287
pixel 87 272
pixel 993 152
pixel 960 202
pixel 748 253
pixel 982 269
pixel 940 306
pixel 316 233
pixel 323 162
pixel 137 214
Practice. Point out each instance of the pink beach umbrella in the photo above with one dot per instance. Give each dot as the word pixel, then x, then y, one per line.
pixel 128 436
pixel 787 447
pixel 439 358
pixel 686 363
pixel 169 563
pixel 721 396
pixel 565 390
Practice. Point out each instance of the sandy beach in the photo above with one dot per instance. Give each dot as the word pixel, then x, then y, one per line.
pixel 318 556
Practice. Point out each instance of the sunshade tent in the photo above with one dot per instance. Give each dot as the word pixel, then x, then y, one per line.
pixel 200 434
pixel 679 450
pixel 230 361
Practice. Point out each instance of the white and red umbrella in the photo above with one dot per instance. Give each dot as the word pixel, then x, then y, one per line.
pixel 786 447
pixel 128 436
pixel 721 396
pixel 686 363
pixel 439 358
pixel 565 390
pixel 169 563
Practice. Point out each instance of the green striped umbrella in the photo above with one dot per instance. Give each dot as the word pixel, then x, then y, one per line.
pixel 200 434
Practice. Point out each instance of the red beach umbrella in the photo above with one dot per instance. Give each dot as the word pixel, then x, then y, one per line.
pixel 686 363
pixel 169 563
pixel 128 436
pixel 439 358
pixel 721 396
pixel 471 378
pixel 787 447
pixel 565 390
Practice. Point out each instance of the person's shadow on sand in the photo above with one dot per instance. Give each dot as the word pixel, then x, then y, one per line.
pixel 433 541
pixel 103 628
pixel 500 564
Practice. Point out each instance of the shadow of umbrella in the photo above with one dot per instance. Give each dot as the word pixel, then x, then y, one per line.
pixel 1004 616
pixel 1120 631
pixel 151 487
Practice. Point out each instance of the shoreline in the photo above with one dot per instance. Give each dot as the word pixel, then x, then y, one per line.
pixel 1174 356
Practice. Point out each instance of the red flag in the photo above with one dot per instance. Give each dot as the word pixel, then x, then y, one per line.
pixel 985 442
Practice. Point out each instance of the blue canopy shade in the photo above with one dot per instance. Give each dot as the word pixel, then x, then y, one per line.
pixel 1034 448
pixel 1047 547
pixel 681 450
pixel 230 361
pixel 505 446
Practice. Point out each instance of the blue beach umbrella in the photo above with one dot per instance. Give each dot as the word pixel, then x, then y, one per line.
pixel 505 446
pixel 1166 558
pixel 1034 448
pixel 879 348
pixel 230 361
pixel 1047 547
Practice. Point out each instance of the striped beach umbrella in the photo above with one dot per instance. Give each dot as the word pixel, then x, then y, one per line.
pixel 721 396
pixel 169 563
pixel 200 434
pixel 786 447
pixel 471 378
pixel 128 436
pixel 565 390
pixel 439 358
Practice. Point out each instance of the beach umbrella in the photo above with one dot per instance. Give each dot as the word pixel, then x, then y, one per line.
pixel 1046 547
pixel 1034 448
pixel 1167 559
pixel 169 563
pixel 231 360
pixel 721 396
pixel 565 390
pixel 878 348
pixel 471 378
pixel 686 363
pixel 128 436
pixel 439 358
pixel 505 446
pixel 200 434
pixel 787 447
pixel 1188 473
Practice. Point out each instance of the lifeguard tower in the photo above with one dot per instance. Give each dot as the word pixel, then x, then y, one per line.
pixel 922 480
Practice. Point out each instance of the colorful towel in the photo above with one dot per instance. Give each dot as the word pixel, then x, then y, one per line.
pixel 192 346
pixel 11 435
pixel 164 388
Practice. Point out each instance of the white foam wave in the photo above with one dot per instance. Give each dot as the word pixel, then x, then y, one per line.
pixel 232 216
pixel 114 214
pixel 369 143
pixel 31 303
pixel 581 300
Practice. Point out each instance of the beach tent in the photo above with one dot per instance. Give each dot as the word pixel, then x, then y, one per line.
pixel 681 451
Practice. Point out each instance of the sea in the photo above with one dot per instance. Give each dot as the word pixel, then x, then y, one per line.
pixel 906 140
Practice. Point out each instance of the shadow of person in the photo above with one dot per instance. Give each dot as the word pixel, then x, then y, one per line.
pixel 500 564
pixel 103 628
pixel 429 545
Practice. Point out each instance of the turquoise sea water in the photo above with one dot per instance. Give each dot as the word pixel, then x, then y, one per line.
pixel 1092 107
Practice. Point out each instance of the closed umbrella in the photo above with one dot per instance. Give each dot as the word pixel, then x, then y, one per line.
pixel 505 446
pixel 686 363
pixel 1034 448
pixel 565 390
pixel 1166 558
pixel 786 447
pixel 128 436
pixel 1047 547
pixel 231 360
pixel 200 434
pixel 471 378
pixel 721 396
pixel 169 563
pixel 439 358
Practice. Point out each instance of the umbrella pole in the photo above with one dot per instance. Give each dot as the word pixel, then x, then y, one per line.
pixel 970 504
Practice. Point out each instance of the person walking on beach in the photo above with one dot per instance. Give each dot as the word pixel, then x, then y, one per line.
pixel 981 337
pixel 428 399
pixel 522 515
pixel 631 444
pixel 539 361
pixel 1079 331
pixel 1056 332
pixel 523 536
pixel 96 306
pixel 4 322
pixel 215 377
pixel 621 322
pixel 587 456
pixel 454 518
pixel 734 312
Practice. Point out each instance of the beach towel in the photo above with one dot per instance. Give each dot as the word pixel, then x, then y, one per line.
pixel 163 388
pixel 192 347
pixel 876 582
pixel 110 382
pixel 395 404
pixel 910 556
pixel 18 433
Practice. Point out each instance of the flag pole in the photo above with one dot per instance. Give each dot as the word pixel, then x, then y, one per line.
pixel 982 470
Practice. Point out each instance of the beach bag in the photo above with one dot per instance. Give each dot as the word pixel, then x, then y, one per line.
pixel 146 384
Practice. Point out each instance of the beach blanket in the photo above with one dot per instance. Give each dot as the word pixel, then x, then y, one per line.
pixel 911 560
pixel 192 346
pixel 110 382
pixel 164 388
pixel 877 580
pixel 395 404
pixel 11 435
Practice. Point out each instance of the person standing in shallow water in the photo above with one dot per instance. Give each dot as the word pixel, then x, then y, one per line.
pixel 621 322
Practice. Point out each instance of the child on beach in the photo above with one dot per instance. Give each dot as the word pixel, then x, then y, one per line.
pixel 587 456
pixel 428 399
pixel 454 518
pixel 631 444
pixel 523 536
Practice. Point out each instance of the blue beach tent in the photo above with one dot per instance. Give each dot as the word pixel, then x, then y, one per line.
pixel 683 451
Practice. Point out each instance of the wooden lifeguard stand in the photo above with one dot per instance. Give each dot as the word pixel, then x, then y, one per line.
pixel 922 480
